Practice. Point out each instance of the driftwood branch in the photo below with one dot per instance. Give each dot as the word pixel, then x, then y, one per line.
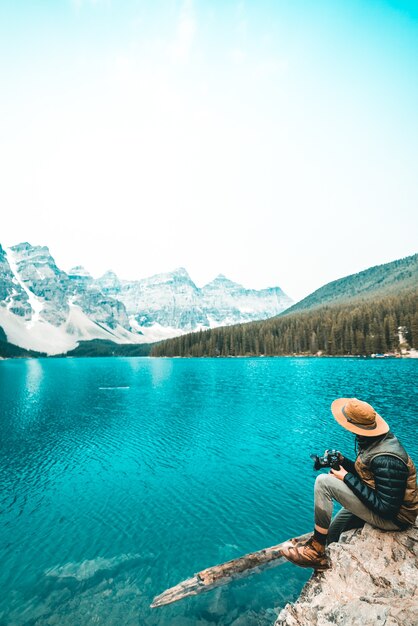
pixel 224 573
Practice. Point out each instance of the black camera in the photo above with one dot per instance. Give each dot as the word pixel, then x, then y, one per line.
pixel 330 459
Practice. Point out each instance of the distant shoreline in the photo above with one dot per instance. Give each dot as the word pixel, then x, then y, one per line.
pixel 248 356
pixel 293 356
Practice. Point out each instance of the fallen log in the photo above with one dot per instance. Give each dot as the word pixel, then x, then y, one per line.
pixel 222 574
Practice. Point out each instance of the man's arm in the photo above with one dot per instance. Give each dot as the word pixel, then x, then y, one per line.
pixel 390 475
pixel 348 465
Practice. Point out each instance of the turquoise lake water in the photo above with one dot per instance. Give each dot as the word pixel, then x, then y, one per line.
pixel 120 477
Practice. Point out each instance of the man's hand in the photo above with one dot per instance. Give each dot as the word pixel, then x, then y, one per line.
pixel 339 473
pixel 340 456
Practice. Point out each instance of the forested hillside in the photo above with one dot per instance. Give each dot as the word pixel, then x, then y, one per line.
pixel 361 327
pixel 101 347
pixel 381 280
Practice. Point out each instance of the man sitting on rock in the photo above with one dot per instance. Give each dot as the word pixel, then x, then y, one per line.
pixel 379 488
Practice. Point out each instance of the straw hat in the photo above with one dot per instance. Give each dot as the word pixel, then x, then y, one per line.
pixel 358 417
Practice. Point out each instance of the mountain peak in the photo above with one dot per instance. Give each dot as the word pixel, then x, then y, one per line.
pixel 25 245
pixel 22 245
pixel 181 271
pixel 79 270
pixel 222 281
pixel 109 282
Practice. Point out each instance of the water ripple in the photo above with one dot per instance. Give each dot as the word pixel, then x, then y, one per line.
pixel 120 477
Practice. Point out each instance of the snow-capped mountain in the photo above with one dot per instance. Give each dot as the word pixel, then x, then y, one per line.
pixel 170 300
pixel 46 309
pixel 226 302
pixel 169 304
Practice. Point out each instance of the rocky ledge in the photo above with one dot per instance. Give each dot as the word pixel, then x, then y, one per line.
pixel 373 581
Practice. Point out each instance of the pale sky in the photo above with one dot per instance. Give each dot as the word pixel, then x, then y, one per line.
pixel 275 142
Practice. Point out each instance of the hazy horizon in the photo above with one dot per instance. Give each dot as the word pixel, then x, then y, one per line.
pixel 275 143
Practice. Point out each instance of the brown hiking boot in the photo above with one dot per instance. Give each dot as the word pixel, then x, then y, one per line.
pixel 309 554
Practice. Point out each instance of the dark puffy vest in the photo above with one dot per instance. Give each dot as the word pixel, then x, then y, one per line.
pixel 389 445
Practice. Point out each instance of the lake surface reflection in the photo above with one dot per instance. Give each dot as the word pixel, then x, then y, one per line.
pixel 121 477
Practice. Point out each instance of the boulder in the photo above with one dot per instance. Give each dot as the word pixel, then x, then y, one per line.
pixel 373 580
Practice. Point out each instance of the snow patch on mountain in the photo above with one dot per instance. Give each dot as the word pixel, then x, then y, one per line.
pixel 39 335
pixel 82 328
pixel 42 336
pixel 156 332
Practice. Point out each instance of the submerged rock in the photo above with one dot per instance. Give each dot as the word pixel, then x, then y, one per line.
pixel 373 580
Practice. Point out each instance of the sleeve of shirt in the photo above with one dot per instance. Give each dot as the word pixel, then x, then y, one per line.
pixel 348 465
pixel 390 475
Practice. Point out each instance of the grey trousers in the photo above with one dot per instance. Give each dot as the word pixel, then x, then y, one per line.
pixel 353 514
